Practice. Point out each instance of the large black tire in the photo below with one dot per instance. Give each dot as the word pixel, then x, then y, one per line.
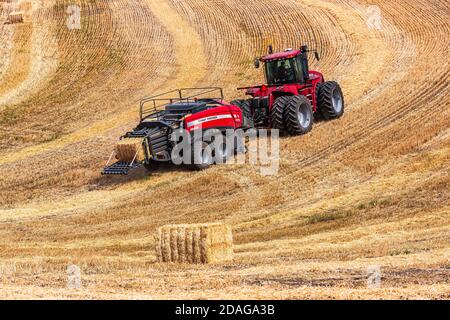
pixel 277 113
pixel 201 159
pixel 298 115
pixel 330 100
pixel 246 107
pixel 222 150
pixel 219 144
pixel 152 166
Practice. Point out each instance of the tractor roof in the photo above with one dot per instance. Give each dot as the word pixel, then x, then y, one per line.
pixel 281 55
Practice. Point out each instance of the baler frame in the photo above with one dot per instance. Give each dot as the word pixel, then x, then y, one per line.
pixel 156 108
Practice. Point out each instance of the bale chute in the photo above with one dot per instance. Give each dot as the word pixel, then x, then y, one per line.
pixel 129 153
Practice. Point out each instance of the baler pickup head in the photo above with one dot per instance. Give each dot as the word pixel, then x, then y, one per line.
pixel 119 168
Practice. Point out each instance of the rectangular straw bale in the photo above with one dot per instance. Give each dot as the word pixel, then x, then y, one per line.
pixel 216 243
pixel 196 243
pixel 127 148
pixel 16 17
pixel 165 244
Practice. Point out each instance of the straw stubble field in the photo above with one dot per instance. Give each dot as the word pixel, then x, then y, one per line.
pixel 371 189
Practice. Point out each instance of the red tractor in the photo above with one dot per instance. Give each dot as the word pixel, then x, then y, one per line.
pixel 293 95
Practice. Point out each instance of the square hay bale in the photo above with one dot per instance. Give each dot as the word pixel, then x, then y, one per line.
pixel 194 243
pixel 16 17
pixel 127 148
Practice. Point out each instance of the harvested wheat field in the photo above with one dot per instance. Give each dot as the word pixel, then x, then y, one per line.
pixel 370 190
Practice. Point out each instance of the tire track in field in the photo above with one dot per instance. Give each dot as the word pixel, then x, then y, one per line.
pixel 190 55
pixel 6 38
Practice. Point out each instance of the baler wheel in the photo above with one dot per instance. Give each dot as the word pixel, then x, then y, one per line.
pixel 222 151
pixel 298 115
pixel 152 166
pixel 203 158
pixel 330 100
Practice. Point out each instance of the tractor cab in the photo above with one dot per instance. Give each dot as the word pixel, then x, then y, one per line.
pixel 288 67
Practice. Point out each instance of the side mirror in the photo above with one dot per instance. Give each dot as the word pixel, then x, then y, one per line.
pixel 257 63
pixel 316 54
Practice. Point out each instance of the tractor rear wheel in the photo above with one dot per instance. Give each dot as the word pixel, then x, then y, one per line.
pixel 277 113
pixel 246 107
pixel 330 100
pixel 298 115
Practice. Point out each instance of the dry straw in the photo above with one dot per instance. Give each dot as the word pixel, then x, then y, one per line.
pixel 128 148
pixel 16 17
pixel 195 243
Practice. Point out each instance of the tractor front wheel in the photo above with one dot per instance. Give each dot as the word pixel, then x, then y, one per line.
pixel 330 100
pixel 298 115
pixel 277 113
